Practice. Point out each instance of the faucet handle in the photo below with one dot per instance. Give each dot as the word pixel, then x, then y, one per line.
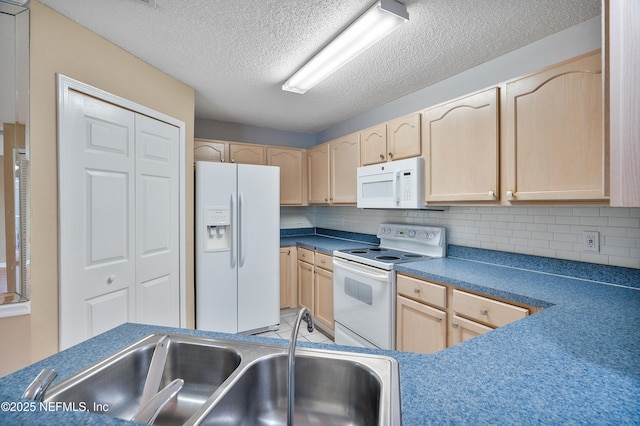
pixel 35 391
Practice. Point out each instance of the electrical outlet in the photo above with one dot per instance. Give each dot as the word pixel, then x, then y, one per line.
pixel 591 241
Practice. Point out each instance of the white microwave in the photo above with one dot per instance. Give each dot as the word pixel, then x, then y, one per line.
pixel 394 185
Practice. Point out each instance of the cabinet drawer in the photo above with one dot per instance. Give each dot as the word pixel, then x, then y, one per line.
pixel 486 310
pixel 305 255
pixel 324 261
pixel 423 291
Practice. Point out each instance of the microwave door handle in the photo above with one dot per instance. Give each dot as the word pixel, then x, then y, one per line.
pixel 396 190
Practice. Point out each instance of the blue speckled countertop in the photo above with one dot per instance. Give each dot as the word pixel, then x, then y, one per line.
pixel 325 240
pixel 576 362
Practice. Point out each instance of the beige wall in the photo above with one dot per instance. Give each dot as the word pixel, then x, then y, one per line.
pixel 59 45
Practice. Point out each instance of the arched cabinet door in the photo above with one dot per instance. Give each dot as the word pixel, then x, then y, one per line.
pixel 460 146
pixel 554 133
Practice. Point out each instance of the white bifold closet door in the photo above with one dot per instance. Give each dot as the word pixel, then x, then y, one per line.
pixel 119 219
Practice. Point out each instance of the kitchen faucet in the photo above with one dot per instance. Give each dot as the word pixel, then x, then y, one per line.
pixel 303 313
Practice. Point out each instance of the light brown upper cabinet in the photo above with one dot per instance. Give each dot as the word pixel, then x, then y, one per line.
pixel 332 171
pixel 209 150
pixel 373 145
pixel 318 169
pixel 403 137
pixel 460 147
pixel 394 140
pixel 622 20
pixel 555 147
pixel 244 153
pixel 293 182
pixel 344 165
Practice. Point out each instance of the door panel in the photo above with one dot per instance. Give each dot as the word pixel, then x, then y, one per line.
pixel 107 224
pixel 156 305
pixel 157 221
pixel 119 219
pixel 107 311
pixel 96 194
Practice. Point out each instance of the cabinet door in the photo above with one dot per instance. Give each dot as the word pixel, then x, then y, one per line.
pixel 323 297
pixel 318 169
pixel 373 145
pixel 345 160
pixel 554 121
pixel 209 150
pixel 403 137
pixel 623 18
pixel 287 277
pixel 246 154
pixel 305 286
pixel 419 328
pixel 292 176
pixel 460 141
pixel 462 330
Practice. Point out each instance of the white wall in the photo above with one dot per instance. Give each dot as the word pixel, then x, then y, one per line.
pixel 543 231
pixel 236 132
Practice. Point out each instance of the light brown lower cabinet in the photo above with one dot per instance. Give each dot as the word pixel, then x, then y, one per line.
pixel 315 286
pixel 288 277
pixel 463 329
pixel 323 297
pixel 432 316
pixel 305 285
pixel 421 328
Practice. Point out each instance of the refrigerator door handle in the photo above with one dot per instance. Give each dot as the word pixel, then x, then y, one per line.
pixel 231 237
pixel 240 231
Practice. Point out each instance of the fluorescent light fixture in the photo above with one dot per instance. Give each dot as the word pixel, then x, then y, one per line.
pixel 381 19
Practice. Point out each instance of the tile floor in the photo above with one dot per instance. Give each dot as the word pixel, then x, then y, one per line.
pixel 287 318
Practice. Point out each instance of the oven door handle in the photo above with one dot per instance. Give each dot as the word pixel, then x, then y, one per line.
pixel 381 276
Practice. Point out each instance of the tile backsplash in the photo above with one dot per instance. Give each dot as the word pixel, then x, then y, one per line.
pixel 555 232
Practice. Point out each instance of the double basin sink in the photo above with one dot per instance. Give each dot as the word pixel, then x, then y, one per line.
pixel 229 382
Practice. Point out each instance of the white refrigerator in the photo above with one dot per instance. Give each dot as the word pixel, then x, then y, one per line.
pixel 237 247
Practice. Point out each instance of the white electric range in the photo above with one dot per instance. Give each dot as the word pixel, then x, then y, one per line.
pixel 364 282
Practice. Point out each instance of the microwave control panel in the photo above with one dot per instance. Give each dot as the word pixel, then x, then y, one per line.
pixel 407 186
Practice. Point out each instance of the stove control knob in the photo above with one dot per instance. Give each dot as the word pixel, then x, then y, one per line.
pixel 423 235
pixel 412 234
pixel 431 235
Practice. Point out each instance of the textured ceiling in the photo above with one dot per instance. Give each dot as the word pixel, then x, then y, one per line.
pixel 237 54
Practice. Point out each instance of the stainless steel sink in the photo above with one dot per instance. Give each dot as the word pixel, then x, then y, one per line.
pixel 114 386
pixel 229 382
pixel 328 391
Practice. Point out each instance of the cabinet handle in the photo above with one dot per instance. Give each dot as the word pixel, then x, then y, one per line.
pixel 233 160
pixel 111 279
pixel 416 290
pixel 454 325
pixel 382 156
pixel 288 252
pixel 326 200
pixel 391 155
pixel 322 261
pixel 510 195
pixel 484 312
pixel 438 319
pixel 492 195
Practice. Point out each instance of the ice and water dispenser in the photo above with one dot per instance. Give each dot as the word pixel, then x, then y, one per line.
pixel 217 228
